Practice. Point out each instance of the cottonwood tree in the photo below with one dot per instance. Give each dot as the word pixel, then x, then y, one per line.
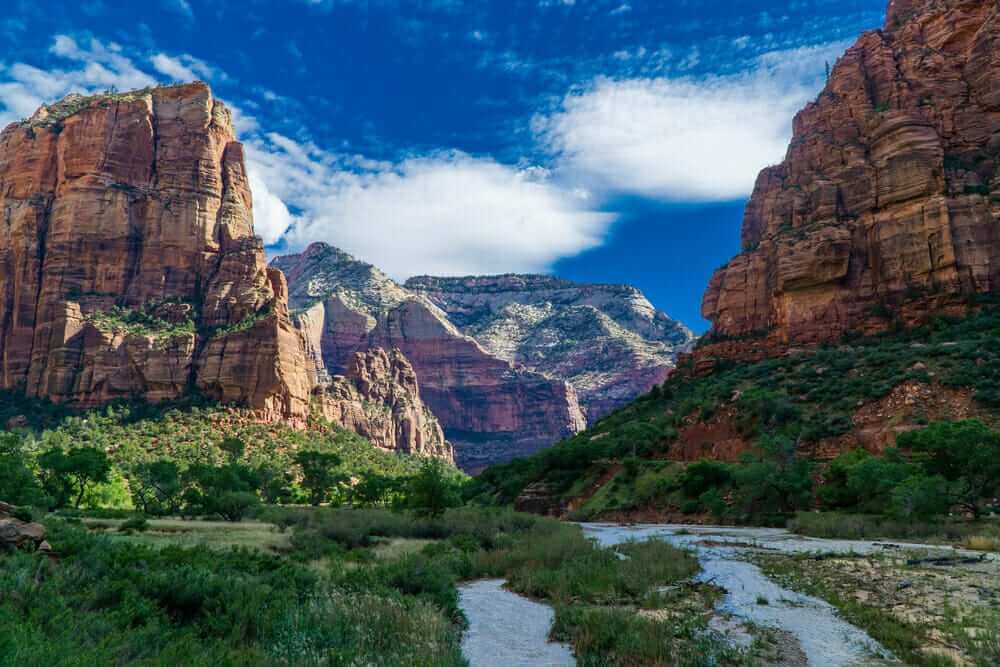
pixel 66 476
pixel 320 475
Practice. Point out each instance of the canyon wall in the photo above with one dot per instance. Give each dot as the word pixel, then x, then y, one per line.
pixel 379 398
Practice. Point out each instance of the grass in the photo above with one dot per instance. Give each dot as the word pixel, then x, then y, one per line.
pixel 109 600
pixel 255 535
pixel 540 558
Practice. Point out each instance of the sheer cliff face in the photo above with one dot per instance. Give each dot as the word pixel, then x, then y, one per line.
pixel 128 262
pixel 887 206
pixel 491 410
pixel 607 341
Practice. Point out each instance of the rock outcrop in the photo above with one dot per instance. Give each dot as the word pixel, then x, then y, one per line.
pixel 607 341
pixel 128 262
pixel 379 398
pixel 18 534
pixel 491 410
pixel 886 209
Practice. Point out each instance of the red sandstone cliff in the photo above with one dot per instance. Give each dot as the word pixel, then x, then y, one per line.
pixel 128 262
pixel 887 207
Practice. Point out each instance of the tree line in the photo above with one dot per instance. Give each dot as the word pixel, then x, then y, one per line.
pixel 60 478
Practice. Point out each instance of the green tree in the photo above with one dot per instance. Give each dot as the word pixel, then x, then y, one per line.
pixel 228 491
pixel 773 478
pixel 920 497
pixel 18 484
pixel 319 474
pixel 66 476
pixel 432 490
pixel 234 448
pixel 966 453
pixel 156 487
pixel 703 475
pixel 374 489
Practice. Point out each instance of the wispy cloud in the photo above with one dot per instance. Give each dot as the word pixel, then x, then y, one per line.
pixel 184 68
pixel 180 7
pixel 94 66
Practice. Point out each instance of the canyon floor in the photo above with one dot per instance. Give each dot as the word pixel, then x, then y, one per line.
pixel 777 598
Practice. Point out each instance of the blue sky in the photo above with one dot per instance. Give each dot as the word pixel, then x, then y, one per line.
pixel 603 140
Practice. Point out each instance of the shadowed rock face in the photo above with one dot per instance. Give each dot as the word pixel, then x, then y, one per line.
pixel 379 398
pixel 887 207
pixel 128 262
pixel 490 409
pixel 607 341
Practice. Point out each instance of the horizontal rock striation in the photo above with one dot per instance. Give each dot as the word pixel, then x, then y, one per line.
pixel 607 341
pixel 128 263
pixel 490 409
pixel 379 398
pixel 886 209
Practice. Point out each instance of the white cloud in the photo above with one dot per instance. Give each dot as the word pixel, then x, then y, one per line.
pixel 183 68
pixel 682 138
pixel 450 214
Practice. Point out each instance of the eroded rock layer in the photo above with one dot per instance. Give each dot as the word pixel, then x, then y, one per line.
pixel 490 409
pixel 886 209
pixel 128 262
pixel 379 398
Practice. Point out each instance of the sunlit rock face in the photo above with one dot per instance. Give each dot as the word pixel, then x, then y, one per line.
pixel 128 263
pixel 886 209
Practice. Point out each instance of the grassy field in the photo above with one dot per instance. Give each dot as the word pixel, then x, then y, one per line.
pixel 257 535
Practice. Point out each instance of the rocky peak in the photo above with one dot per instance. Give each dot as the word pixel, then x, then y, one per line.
pixel 323 271
pixel 886 208
pixel 491 409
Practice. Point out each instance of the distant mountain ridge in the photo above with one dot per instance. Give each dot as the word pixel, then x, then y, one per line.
pixel 508 364
pixel 608 341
